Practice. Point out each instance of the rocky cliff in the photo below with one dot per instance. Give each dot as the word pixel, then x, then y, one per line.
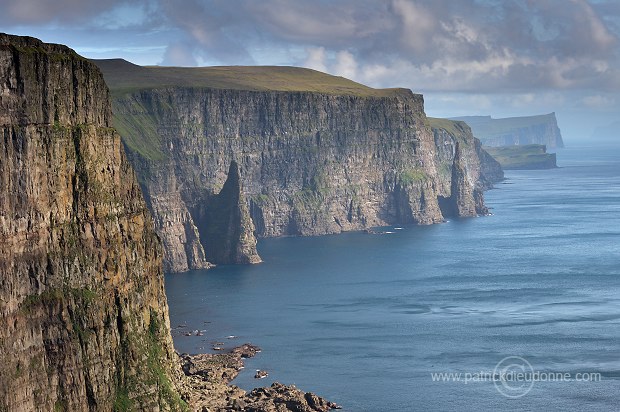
pixel 510 131
pixel 316 154
pixel 83 314
pixel 461 155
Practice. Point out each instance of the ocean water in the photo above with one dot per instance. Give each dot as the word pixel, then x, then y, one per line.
pixel 366 320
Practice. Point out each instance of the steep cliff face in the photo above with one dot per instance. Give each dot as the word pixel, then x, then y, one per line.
pixel 224 223
pixel 311 162
pixel 83 314
pixel 510 131
pixel 471 169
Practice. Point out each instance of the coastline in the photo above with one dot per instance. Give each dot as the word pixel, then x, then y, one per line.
pixel 205 385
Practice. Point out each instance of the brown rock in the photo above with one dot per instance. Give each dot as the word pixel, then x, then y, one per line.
pixel 309 163
pixel 83 315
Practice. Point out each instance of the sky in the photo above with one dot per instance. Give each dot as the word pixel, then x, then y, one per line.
pixel 468 57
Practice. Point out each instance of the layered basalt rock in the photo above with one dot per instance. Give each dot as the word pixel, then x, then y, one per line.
pixel 224 223
pixel 83 313
pixel 313 159
pixel 472 170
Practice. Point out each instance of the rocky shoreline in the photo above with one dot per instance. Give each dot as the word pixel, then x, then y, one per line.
pixel 205 386
pixel 84 323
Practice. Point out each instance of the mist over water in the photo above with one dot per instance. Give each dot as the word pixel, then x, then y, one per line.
pixel 364 320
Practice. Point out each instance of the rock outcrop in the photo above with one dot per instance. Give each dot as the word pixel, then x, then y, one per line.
pixel 542 129
pixel 83 313
pixel 315 156
pixel 470 168
pixel 224 223
pixel 206 386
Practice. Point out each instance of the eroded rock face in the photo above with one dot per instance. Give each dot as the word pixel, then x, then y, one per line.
pixel 224 223
pixel 471 169
pixel 310 163
pixel 83 313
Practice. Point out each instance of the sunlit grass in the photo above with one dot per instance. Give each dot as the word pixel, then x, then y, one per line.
pixel 123 77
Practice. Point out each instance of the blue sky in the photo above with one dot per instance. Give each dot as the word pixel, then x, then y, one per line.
pixel 503 58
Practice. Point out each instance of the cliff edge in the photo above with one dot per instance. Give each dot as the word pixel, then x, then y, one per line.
pixel 316 154
pixel 83 313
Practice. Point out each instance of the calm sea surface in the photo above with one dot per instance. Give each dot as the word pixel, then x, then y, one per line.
pixel 366 320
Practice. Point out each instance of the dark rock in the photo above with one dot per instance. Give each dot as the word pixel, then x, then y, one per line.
pixel 223 222
pixel 207 376
pixel 526 157
pixel 260 374
pixel 286 398
pixel 246 350
pixel 471 169
pixel 309 162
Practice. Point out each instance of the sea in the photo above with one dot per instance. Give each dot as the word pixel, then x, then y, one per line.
pixel 515 311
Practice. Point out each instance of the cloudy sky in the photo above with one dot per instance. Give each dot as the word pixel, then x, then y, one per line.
pixel 497 57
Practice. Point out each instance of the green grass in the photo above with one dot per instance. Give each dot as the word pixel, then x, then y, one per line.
pixel 50 296
pixel 123 77
pixel 154 352
pixel 454 127
pixel 122 402
pixel 54 55
pixel 260 199
pixel 411 176
pixel 531 156
pixel 139 133
pixel 60 406
pixel 312 197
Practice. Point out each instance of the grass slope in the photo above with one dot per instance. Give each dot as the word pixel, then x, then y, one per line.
pixel 531 156
pixel 123 76
pixel 454 127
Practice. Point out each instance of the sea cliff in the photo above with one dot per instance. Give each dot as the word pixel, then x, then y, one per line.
pixel 83 313
pixel 316 154
pixel 541 129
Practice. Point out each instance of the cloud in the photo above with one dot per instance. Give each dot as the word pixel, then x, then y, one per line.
pixel 316 58
pixel 210 28
pixel 345 66
pixel 179 54
pixel 34 11
pixel 469 46
pixel 417 25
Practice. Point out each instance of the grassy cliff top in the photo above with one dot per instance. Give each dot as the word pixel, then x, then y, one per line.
pixel 454 127
pixel 123 76
pixel 530 156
